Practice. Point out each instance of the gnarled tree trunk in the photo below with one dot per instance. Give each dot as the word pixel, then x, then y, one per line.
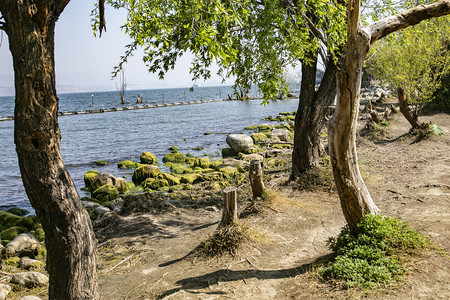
pixel 353 193
pixel 71 244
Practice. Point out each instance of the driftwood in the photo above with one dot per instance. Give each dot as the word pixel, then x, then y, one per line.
pixel 256 178
pixel 373 113
pixel 404 109
pixel 229 213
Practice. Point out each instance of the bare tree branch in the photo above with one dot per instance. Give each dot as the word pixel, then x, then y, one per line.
pixel 314 29
pixel 407 18
pixel 101 7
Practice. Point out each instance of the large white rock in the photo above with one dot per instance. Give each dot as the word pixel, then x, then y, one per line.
pixel 239 142
pixel 28 263
pixel 4 291
pixel 23 244
pixel 29 279
pixel 281 134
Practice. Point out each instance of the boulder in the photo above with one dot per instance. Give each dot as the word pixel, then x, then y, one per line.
pixel 29 279
pixel 174 157
pixel 190 178
pixel 281 134
pixel 12 232
pixel 155 183
pixel 257 137
pixel 8 219
pixel 18 211
pixel 202 162
pixel 100 210
pixel 31 264
pixel 240 142
pixel 23 244
pixel 4 291
pixel 127 164
pixel 148 158
pixel 250 157
pixel 172 180
pixel 90 177
pixel 106 193
pixel 107 178
pixel 89 204
pixel 228 152
pixel 117 205
pixel 233 162
pixel 143 172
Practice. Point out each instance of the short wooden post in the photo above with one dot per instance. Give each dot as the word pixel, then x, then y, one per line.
pixel 256 178
pixel 229 213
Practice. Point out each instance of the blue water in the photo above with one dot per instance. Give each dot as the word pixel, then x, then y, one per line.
pixel 121 135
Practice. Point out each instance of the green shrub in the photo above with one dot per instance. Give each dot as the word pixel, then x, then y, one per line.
pixel 368 255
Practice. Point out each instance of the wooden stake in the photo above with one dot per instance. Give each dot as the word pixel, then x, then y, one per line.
pixel 229 213
pixel 256 178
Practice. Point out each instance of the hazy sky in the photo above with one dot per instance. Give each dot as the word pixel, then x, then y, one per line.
pixel 84 62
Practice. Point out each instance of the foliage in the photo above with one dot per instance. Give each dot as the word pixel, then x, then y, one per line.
pixel 368 256
pixel 253 41
pixel 416 59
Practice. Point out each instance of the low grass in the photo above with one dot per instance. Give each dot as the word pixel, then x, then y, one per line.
pixel 372 254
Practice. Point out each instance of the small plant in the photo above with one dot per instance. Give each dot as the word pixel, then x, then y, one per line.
pixel 369 255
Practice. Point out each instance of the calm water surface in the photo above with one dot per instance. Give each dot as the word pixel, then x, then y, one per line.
pixel 121 135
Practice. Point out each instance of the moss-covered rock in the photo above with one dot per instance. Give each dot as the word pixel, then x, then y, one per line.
pixel 8 219
pixel 172 180
pixel 148 158
pixel 264 127
pixel 250 151
pixel 106 193
pixel 254 127
pixel 174 149
pixel 180 169
pixel 90 177
pixel 258 137
pixel 10 233
pixel 191 161
pixel 39 234
pixel 175 157
pixel 290 118
pixel 127 164
pixel 143 172
pixel 155 184
pixel 229 171
pixel 202 162
pixel 18 211
pixel 101 162
pixel 228 152
pixel 26 222
pixel 190 178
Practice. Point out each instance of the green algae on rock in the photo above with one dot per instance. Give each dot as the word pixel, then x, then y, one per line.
pixel 148 158
pixel 127 164
pixel 143 172
pixel 90 177
pixel 174 157
pixel 106 193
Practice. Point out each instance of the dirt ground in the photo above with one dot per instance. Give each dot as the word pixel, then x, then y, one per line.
pixel 147 256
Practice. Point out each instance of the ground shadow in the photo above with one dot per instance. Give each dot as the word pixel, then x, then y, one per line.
pixel 226 275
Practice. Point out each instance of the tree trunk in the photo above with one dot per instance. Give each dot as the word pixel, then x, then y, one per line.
pixel 310 118
pixel 353 193
pixel 229 213
pixel 404 109
pixel 71 244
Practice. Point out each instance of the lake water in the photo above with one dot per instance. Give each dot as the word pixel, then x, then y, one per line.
pixel 121 135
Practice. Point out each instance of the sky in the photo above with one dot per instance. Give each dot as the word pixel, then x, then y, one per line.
pixel 84 63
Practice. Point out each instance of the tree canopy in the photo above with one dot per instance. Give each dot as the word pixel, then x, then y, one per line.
pixel 252 40
pixel 415 59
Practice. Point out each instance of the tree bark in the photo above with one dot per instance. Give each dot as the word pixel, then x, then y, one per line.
pixel 71 244
pixel 229 213
pixel 353 193
pixel 403 103
pixel 310 118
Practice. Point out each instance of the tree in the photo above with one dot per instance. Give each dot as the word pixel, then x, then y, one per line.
pixel 415 60
pixel 252 40
pixel 353 193
pixel 71 244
